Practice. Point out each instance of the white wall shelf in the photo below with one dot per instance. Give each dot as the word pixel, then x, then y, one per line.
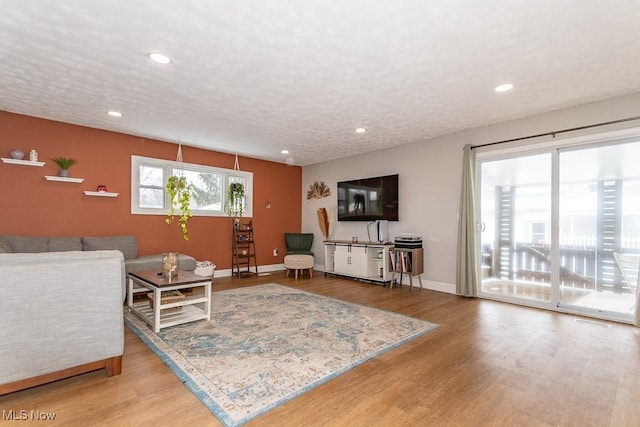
pixel 63 179
pixel 100 193
pixel 22 162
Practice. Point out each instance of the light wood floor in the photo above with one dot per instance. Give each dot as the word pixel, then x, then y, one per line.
pixel 488 363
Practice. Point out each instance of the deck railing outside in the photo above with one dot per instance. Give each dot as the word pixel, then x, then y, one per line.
pixel 578 263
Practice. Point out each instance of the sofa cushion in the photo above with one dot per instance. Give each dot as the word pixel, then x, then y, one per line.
pixel 154 262
pixel 64 244
pixel 5 246
pixel 128 245
pixel 20 244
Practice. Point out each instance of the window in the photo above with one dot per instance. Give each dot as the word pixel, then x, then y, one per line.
pixel 538 233
pixel 149 178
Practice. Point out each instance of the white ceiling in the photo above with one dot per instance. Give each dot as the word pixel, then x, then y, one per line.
pixel 255 77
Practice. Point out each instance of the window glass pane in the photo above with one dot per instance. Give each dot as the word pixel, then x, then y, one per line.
pixel 207 190
pixel 599 219
pixel 515 209
pixel 151 176
pixel 538 233
pixel 242 204
pixel 237 179
pixel 151 198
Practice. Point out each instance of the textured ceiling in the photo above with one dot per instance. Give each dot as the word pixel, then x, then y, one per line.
pixel 255 77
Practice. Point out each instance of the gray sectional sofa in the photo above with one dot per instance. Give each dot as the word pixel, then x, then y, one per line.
pixel 61 316
pixel 128 245
pixel 61 305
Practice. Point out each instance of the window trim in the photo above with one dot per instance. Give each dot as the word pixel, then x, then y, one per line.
pixel 168 166
pixel 516 149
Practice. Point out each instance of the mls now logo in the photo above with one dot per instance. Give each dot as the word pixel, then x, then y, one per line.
pixel 15 415
pixel 22 415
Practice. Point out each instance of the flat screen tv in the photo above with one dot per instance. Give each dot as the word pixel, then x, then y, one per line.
pixel 368 199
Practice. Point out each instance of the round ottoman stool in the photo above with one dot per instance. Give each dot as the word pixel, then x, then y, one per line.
pixel 299 262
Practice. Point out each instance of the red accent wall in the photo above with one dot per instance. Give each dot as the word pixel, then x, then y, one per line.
pixel 32 206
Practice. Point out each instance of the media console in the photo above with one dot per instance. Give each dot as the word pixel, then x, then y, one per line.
pixel 359 260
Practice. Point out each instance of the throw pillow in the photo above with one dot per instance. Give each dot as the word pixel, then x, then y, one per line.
pixel 63 244
pixel 21 244
pixel 5 247
pixel 128 245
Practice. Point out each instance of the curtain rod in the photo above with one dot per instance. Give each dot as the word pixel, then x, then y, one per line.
pixel 554 133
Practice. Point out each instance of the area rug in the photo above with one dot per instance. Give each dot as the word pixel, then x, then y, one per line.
pixel 267 344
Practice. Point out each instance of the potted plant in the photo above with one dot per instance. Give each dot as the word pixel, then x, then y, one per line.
pixel 64 163
pixel 179 191
pixel 235 200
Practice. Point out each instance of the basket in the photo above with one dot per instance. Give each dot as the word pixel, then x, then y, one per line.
pixel 204 268
pixel 167 297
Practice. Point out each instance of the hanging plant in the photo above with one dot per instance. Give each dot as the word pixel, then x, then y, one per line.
pixel 179 191
pixel 235 199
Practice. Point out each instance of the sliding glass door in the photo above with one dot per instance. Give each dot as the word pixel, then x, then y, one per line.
pixel 599 220
pixel 553 228
pixel 515 223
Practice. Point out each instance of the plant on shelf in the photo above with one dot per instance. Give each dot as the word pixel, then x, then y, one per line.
pixel 179 191
pixel 64 163
pixel 235 200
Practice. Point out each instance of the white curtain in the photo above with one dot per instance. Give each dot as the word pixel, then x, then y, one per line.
pixel 466 272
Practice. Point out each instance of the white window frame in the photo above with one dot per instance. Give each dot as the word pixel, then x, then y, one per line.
pixel 168 166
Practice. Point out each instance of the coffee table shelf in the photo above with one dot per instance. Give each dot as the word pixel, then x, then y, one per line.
pixel 188 313
pixel 192 308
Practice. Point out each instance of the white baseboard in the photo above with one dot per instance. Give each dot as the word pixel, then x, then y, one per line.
pixel 449 288
pixel 261 269
pixel 270 267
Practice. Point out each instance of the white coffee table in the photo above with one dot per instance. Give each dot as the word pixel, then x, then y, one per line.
pixel 197 307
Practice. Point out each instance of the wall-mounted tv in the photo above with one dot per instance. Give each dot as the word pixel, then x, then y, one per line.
pixel 368 199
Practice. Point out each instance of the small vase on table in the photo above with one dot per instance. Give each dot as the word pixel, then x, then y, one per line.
pixel 170 264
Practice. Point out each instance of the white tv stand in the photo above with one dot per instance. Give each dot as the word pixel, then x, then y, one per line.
pixel 362 260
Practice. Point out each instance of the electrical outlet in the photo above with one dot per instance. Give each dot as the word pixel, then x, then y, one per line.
pixel 275 252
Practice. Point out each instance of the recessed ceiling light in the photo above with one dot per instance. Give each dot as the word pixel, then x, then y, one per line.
pixel 361 130
pixel 504 88
pixel 114 113
pixel 160 58
pixel 284 152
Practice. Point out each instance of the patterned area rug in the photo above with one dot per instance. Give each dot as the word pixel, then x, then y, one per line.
pixel 267 344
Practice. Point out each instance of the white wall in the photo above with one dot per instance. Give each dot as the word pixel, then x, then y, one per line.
pixel 430 173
